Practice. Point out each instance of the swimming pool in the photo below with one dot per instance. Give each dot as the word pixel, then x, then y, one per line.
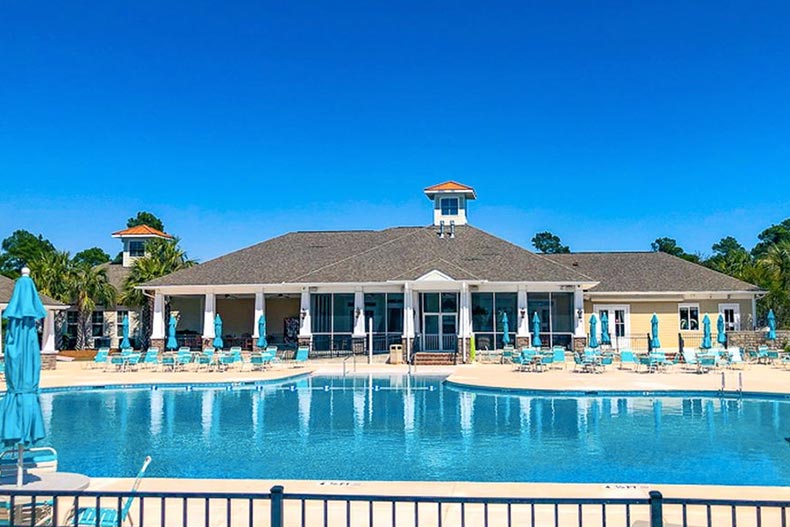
pixel 401 428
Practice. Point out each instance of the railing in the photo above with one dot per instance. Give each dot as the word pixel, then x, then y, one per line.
pixel 278 509
pixel 694 340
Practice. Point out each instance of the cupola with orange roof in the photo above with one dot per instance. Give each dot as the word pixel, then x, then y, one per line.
pixel 450 202
pixel 134 239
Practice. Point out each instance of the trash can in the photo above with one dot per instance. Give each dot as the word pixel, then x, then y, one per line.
pixel 396 353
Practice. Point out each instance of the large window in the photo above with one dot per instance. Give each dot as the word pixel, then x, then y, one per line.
pixel 332 321
pixel 556 317
pixel 488 319
pixel 97 324
pixel 449 206
pixel 386 310
pixel 119 316
pixel 136 248
pixel 689 317
pixel 72 320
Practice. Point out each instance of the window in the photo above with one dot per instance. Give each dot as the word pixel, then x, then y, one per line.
pixel 72 319
pixel 136 249
pixel 732 316
pixel 332 317
pixel 119 316
pixel 689 317
pixel 449 206
pixel 488 310
pixel 97 324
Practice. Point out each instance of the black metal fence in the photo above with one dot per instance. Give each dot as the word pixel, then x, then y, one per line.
pixel 694 340
pixel 278 509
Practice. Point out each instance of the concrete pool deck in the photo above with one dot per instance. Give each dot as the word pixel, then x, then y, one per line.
pixel 756 378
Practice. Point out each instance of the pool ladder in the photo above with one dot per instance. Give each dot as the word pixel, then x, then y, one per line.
pixel 723 388
pixel 354 362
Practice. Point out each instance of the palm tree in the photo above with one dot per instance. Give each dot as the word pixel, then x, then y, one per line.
pixel 54 276
pixel 89 287
pixel 162 257
pixel 776 269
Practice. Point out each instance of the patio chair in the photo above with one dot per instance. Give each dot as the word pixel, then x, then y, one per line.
pixel 707 363
pixel 558 356
pixel 628 357
pixel 275 356
pixel 109 517
pixel 607 359
pixel 507 355
pixel 206 359
pixel 100 360
pixel 258 360
pixel 578 362
pixel 690 358
pixel 151 358
pixel 35 461
pixel 302 354
pixel 735 359
pixel 183 359
pixel 238 358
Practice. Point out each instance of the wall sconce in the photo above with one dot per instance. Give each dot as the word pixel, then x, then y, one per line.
pixel 303 313
pixel 580 314
pixel 357 312
pixel 523 312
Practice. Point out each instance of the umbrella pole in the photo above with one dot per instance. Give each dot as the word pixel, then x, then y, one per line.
pixel 20 464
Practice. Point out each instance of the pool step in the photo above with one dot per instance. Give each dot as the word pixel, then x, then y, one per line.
pixel 424 358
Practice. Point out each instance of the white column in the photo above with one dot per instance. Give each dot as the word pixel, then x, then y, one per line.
pixel 578 307
pixel 754 315
pixel 209 312
pixel 158 325
pixel 415 304
pixel 48 337
pixel 305 330
pixel 523 320
pixel 260 310
pixel 359 315
pixel 465 323
pixel 408 312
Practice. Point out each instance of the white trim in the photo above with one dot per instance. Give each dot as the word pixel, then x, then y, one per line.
pixel 610 308
pixel 737 312
pixel 701 294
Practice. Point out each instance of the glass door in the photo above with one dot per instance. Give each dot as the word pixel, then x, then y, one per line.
pixel 440 321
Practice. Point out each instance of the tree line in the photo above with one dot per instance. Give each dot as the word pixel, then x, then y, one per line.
pixel 766 265
pixel 81 280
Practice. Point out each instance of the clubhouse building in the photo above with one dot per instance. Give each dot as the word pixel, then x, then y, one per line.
pixel 432 288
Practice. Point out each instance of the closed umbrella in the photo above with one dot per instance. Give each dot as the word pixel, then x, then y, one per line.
pixel 125 344
pixel 536 330
pixel 721 338
pixel 172 343
pixel 605 338
pixel 217 332
pixel 654 342
pixel 593 340
pixel 262 332
pixel 771 325
pixel 706 340
pixel 505 329
pixel 21 421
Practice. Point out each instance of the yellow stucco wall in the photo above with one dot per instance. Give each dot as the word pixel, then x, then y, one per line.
pixel 641 314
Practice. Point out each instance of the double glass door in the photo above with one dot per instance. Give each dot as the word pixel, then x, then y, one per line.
pixel 440 321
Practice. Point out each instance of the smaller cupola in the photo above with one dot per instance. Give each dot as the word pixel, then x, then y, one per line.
pixel 134 239
pixel 450 203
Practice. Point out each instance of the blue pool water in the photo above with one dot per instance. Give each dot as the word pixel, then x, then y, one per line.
pixel 396 428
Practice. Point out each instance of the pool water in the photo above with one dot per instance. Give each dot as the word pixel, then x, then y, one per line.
pixel 401 428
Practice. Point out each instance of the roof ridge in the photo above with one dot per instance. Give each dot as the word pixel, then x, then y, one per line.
pixel 366 251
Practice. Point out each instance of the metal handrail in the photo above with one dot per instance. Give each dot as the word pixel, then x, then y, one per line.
pixel 354 359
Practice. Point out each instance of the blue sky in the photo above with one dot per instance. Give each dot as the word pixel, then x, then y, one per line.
pixel 608 123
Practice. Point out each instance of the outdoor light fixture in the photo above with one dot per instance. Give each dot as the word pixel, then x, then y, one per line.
pixel 357 312
pixel 580 314
pixel 303 313
pixel 523 312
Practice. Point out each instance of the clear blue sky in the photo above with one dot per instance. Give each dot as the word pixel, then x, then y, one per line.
pixel 608 123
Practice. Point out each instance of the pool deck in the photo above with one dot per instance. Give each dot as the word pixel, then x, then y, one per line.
pixel 756 378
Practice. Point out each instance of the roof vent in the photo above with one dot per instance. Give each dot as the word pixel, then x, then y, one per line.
pixel 441 229
pixel 452 229
pixel 575 264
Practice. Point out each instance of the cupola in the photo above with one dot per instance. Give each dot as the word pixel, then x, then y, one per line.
pixel 450 203
pixel 134 239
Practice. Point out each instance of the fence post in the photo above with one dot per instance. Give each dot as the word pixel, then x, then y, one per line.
pixel 681 343
pixel 277 506
pixel 656 509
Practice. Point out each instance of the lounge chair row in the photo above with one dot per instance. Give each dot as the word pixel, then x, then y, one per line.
pixel 185 359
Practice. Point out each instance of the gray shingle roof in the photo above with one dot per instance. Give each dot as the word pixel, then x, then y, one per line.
pixel 7 289
pixel 401 253
pixel 649 272
pixel 116 274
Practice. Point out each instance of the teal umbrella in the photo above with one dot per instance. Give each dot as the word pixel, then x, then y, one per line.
pixel 21 421
pixel 605 338
pixel 536 330
pixel 771 325
pixel 593 341
pixel 217 332
pixel 262 332
pixel 706 340
pixel 654 342
pixel 721 338
pixel 505 329
pixel 125 331
pixel 172 343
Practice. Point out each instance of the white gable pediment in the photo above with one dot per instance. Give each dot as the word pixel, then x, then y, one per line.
pixel 435 276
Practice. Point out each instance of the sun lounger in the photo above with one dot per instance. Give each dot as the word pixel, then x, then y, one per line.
pixel 109 517
pixel 627 357
pixel 151 358
pixel 558 356
pixel 100 360
pixel 302 354
pixel 206 359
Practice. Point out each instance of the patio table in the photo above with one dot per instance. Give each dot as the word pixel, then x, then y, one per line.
pixel 43 482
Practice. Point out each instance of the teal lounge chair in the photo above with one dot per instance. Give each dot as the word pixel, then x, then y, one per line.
pixel 151 358
pixel 238 358
pixel 100 360
pixel 558 356
pixel 183 358
pixel 302 354
pixel 627 357
pixel 258 360
pixel 735 359
pixel 108 517
pixel 206 359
